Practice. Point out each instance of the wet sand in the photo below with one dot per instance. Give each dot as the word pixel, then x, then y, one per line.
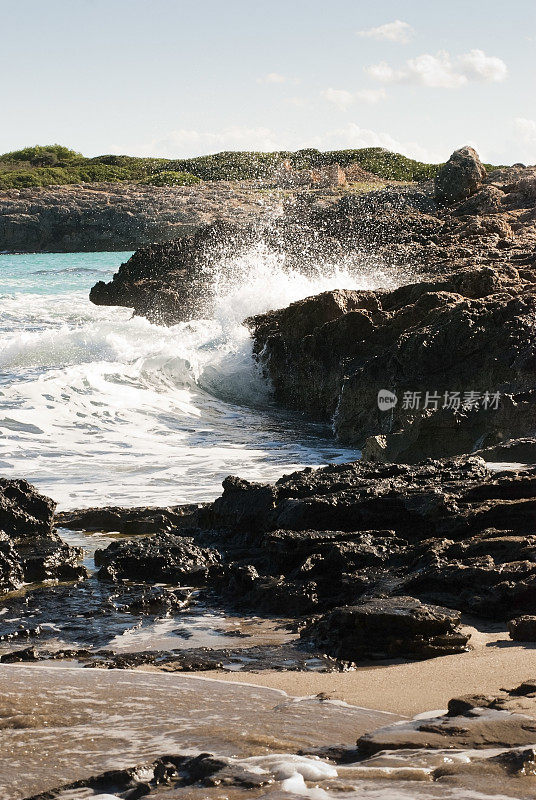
pixel 412 688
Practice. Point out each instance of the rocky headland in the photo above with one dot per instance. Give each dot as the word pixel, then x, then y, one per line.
pixel 122 216
pixel 454 346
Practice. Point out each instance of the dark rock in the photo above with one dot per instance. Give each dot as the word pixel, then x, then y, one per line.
pixel 388 628
pixel 30 549
pixel 169 558
pixel 442 339
pixel 523 629
pixel 522 451
pixel 129 521
pixel 460 177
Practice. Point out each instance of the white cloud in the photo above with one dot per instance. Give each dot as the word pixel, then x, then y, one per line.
pixel 339 97
pixel 524 141
pixel 396 31
pixel 272 77
pixel 353 136
pixel 184 143
pixel 344 99
pixel 525 129
pixel 476 65
pixel 187 143
pixel 442 70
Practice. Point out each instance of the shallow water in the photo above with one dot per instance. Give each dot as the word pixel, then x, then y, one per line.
pixel 98 407
pixel 61 725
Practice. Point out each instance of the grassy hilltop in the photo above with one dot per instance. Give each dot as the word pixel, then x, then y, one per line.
pixel 47 165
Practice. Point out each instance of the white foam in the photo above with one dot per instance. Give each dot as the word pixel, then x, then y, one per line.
pixel 98 407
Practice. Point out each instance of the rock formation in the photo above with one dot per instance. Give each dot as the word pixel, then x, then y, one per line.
pixel 121 216
pixel 450 533
pixel 460 177
pixel 394 627
pixel 30 549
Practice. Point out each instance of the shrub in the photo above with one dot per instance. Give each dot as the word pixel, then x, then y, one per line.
pixel 43 155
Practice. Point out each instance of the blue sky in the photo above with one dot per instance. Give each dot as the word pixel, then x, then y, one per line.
pixel 176 78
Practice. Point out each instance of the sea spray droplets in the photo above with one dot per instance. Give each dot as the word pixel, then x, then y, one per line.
pixel 135 412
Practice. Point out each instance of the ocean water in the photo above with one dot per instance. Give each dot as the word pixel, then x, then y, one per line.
pixel 99 407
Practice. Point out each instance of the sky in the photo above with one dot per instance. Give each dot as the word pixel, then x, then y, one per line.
pixel 175 78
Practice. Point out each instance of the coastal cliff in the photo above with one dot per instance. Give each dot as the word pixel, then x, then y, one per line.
pixel 121 216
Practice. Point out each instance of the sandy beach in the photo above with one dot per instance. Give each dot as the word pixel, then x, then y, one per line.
pixel 412 688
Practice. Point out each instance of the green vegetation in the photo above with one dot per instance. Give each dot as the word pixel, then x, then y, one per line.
pixel 57 165
pixel 169 178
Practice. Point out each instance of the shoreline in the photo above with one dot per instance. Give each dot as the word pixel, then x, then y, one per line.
pixel 410 687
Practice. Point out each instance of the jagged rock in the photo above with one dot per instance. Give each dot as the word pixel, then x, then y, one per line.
pixel 460 177
pixel 451 533
pixel 30 549
pixel 523 629
pixel 168 283
pixel 170 558
pixel 129 521
pixel 472 331
pixel 388 628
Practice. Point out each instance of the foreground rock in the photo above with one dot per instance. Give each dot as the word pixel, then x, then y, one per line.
pixel 490 740
pixel 397 627
pixel 451 533
pixel 477 721
pixel 30 549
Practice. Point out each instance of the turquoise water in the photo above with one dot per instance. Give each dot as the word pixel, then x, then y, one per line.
pixel 100 407
pixel 53 273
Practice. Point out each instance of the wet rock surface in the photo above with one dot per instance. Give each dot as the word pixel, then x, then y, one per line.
pixel 30 548
pixel 359 555
pixel 131 521
pixel 450 532
pixel 458 353
pixel 507 720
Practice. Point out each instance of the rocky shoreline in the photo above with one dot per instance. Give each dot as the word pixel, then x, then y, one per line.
pixel 360 563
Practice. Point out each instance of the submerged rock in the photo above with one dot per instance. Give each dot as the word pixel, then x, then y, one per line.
pixel 30 549
pixel 394 627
